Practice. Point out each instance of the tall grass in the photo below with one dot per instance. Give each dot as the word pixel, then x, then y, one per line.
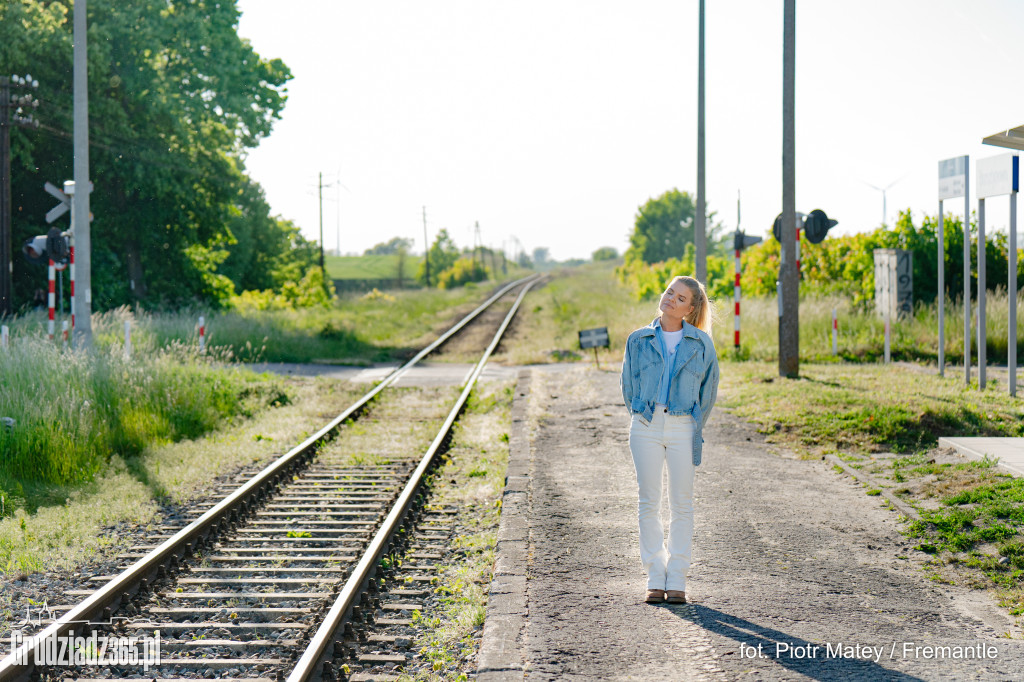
pixel 71 411
pixel 862 333
pixel 357 329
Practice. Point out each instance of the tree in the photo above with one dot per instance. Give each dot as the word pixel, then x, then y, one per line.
pixel 175 99
pixel 441 255
pixel 389 247
pixel 664 226
pixel 604 253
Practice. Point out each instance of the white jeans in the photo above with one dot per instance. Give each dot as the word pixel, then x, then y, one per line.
pixel 668 439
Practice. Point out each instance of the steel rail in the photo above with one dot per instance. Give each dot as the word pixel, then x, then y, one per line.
pixel 20 662
pixel 310 665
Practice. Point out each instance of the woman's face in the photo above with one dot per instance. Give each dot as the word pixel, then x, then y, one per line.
pixel 677 301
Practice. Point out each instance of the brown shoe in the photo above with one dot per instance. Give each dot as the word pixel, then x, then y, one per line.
pixel 655 596
pixel 675 597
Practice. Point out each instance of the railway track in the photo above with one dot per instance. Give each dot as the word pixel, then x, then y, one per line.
pixel 272 576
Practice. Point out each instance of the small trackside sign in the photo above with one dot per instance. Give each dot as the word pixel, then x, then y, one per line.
pixel 594 338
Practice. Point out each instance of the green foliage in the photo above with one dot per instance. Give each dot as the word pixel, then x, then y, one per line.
pixel 462 271
pixel 664 226
pixel 442 255
pixel 312 291
pixel 648 281
pixel 844 265
pixel 72 411
pixel 175 99
pixel 393 245
pixel 604 253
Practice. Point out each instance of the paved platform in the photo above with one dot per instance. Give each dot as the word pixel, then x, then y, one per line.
pixel 797 574
pixel 1009 451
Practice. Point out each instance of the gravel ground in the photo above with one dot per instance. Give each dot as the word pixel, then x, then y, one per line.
pixel 797 573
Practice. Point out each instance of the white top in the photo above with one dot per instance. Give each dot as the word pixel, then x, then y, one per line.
pixel 672 340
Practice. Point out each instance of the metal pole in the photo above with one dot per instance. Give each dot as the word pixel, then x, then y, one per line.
pixel 1011 346
pixel 83 238
pixel 320 197
pixel 981 294
pixel 6 264
pixel 699 226
pixel 967 273
pixel 941 300
pixel 789 320
pixel 835 332
pixel 426 250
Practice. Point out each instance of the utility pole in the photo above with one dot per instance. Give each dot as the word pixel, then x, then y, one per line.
pixel 478 244
pixel 789 308
pixel 320 196
pixel 699 228
pixel 21 105
pixel 426 250
pixel 80 202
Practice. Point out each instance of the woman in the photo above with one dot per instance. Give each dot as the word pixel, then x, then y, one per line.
pixel 669 383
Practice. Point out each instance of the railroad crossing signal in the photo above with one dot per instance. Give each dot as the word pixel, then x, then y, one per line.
pixel 65 199
pixel 815 225
pixel 60 209
pixel 741 241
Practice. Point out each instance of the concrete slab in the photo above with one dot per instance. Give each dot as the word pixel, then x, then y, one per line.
pixel 1009 451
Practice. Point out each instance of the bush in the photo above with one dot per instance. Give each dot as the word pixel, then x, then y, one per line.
pixel 311 291
pixel 463 271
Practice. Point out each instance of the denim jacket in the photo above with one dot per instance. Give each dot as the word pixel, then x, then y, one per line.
pixel 694 376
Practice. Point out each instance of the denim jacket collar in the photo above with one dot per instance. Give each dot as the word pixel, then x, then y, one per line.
pixel 689 330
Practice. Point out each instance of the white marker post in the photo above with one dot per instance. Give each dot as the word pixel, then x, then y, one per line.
pixel 5 337
pixel 999 175
pixel 202 334
pixel 64 330
pixel 952 184
pixel 835 333
pixel 127 339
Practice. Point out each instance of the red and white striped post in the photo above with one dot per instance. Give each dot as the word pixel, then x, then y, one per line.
pixel 51 297
pixel 798 273
pixel 835 333
pixel 71 268
pixel 736 297
pixel 202 334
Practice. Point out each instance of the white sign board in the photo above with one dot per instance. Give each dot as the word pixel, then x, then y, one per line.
pixel 952 178
pixel 998 175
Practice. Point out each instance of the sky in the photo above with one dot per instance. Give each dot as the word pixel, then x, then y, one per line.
pixel 550 122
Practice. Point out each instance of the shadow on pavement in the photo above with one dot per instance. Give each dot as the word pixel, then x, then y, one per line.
pixel 799 655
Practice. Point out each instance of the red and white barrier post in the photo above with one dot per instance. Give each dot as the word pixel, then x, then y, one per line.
pixel 798 273
pixel 71 267
pixel 835 333
pixel 202 334
pixel 64 330
pixel 736 297
pixel 51 297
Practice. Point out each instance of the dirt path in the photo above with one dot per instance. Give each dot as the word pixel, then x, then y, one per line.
pixel 790 559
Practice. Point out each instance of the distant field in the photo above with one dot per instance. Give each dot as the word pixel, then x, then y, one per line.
pixel 370 267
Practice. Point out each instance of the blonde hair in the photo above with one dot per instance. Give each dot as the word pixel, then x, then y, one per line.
pixel 703 315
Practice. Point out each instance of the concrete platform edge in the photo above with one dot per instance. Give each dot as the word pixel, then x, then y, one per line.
pixel 966 449
pixel 502 648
